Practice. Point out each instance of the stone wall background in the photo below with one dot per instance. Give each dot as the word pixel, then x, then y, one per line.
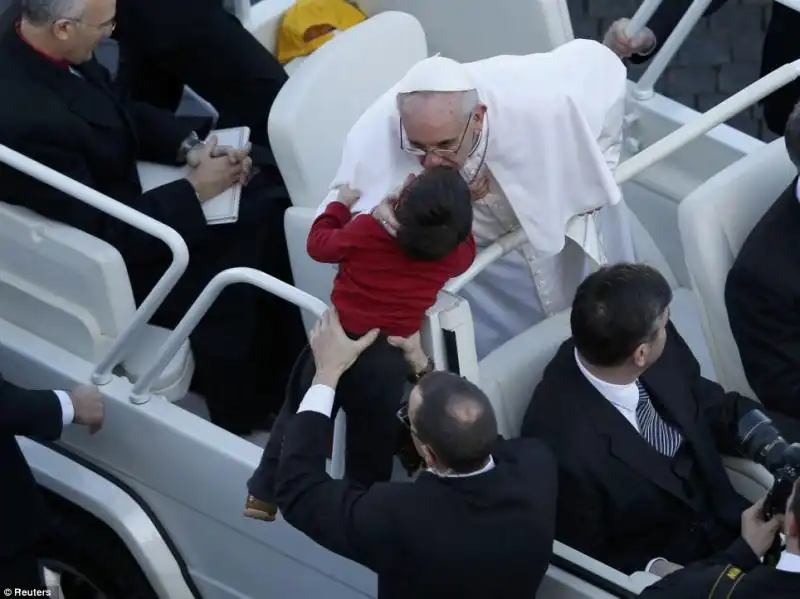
pixel 721 56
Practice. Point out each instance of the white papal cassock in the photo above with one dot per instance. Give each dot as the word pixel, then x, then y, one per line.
pixel 550 141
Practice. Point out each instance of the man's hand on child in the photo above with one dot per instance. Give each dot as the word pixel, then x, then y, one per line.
pixel 384 213
pixel 412 350
pixel 348 196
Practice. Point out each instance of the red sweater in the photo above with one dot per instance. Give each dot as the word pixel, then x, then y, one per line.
pixel 378 286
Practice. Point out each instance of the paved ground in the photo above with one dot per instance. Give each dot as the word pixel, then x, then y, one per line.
pixel 722 55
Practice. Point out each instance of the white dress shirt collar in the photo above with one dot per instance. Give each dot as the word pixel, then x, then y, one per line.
pixel 624 398
pixel 789 562
pixel 797 189
pixel 489 466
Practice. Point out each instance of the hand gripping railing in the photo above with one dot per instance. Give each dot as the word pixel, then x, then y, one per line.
pixel 140 393
pixel 180 253
pixel 659 62
pixel 662 58
pixel 648 157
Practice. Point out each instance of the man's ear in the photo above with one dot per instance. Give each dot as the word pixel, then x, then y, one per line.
pixel 62 29
pixel 640 355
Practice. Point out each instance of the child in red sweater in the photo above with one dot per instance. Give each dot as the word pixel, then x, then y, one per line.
pixel 384 282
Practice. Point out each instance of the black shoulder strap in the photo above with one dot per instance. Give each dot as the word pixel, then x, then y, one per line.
pixel 726 582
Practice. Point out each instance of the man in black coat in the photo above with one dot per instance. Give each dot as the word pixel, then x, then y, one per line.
pixel 166 45
pixel 638 433
pixel 478 522
pixel 762 294
pixel 781 45
pixel 738 572
pixel 23 516
pixel 58 108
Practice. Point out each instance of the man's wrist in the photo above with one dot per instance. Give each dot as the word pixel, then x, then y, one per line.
pixel 421 365
pixel 191 142
pixel 329 378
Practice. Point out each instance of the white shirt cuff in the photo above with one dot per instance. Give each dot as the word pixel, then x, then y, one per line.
pixel 652 562
pixel 319 398
pixel 67 409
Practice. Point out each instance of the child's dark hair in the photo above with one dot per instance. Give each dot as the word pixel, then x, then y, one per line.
pixel 434 213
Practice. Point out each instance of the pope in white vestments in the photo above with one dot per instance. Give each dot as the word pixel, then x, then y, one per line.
pixel 538 137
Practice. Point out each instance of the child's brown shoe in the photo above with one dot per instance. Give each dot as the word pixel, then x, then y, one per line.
pixel 260 510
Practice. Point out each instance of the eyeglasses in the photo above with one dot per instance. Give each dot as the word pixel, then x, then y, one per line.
pixel 402 416
pixel 106 27
pixel 408 146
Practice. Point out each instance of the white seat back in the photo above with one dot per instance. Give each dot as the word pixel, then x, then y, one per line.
pixel 334 86
pixel 714 222
pixel 468 30
pixel 61 284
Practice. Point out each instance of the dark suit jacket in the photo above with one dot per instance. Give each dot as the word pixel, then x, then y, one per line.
pixel 697 580
pixel 487 536
pixel 781 45
pixel 79 128
pixel 613 503
pixel 762 295
pixel 166 45
pixel 23 517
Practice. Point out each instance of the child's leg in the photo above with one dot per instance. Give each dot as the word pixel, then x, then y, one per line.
pixel 370 394
pixel 261 485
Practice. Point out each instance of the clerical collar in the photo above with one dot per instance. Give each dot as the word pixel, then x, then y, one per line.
pixel 63 64
pixel 797 190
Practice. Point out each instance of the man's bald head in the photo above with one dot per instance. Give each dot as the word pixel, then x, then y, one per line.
pixel 455 420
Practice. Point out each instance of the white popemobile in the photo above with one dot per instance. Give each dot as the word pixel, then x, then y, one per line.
pixel 151 506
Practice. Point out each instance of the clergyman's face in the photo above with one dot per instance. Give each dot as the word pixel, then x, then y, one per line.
pixel 439 127
pixel 82 36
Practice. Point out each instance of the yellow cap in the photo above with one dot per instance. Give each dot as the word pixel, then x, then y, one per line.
pixel 297 35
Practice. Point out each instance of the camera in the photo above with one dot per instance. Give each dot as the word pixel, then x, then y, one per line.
pixel 761 442
pixel 785 478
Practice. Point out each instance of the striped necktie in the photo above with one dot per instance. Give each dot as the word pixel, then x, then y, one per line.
pixel 663 437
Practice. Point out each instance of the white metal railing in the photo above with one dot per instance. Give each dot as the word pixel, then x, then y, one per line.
pixel 648 157
pixel 670 46
pixel 708 120
pixel 180 253
pixel 140 393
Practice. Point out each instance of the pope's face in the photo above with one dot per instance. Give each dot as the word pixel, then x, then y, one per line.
pixel 437 130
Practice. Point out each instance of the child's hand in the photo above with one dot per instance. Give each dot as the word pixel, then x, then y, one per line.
pixel 348 196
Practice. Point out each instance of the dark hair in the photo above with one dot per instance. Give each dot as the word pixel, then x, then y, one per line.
pixel 434 213
pixel 791 136
pixel 456 420
pixel 615 310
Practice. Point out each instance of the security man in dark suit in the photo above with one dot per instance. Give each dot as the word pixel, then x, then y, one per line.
pixel 478 522
pixel 638 433
pixel 166 45
pixel 781 45
pixel 23 516
pixel 59 109
pixel 738 572
pixel 762 294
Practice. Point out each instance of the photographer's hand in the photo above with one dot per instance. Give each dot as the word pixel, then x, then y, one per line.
pixel 759 534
